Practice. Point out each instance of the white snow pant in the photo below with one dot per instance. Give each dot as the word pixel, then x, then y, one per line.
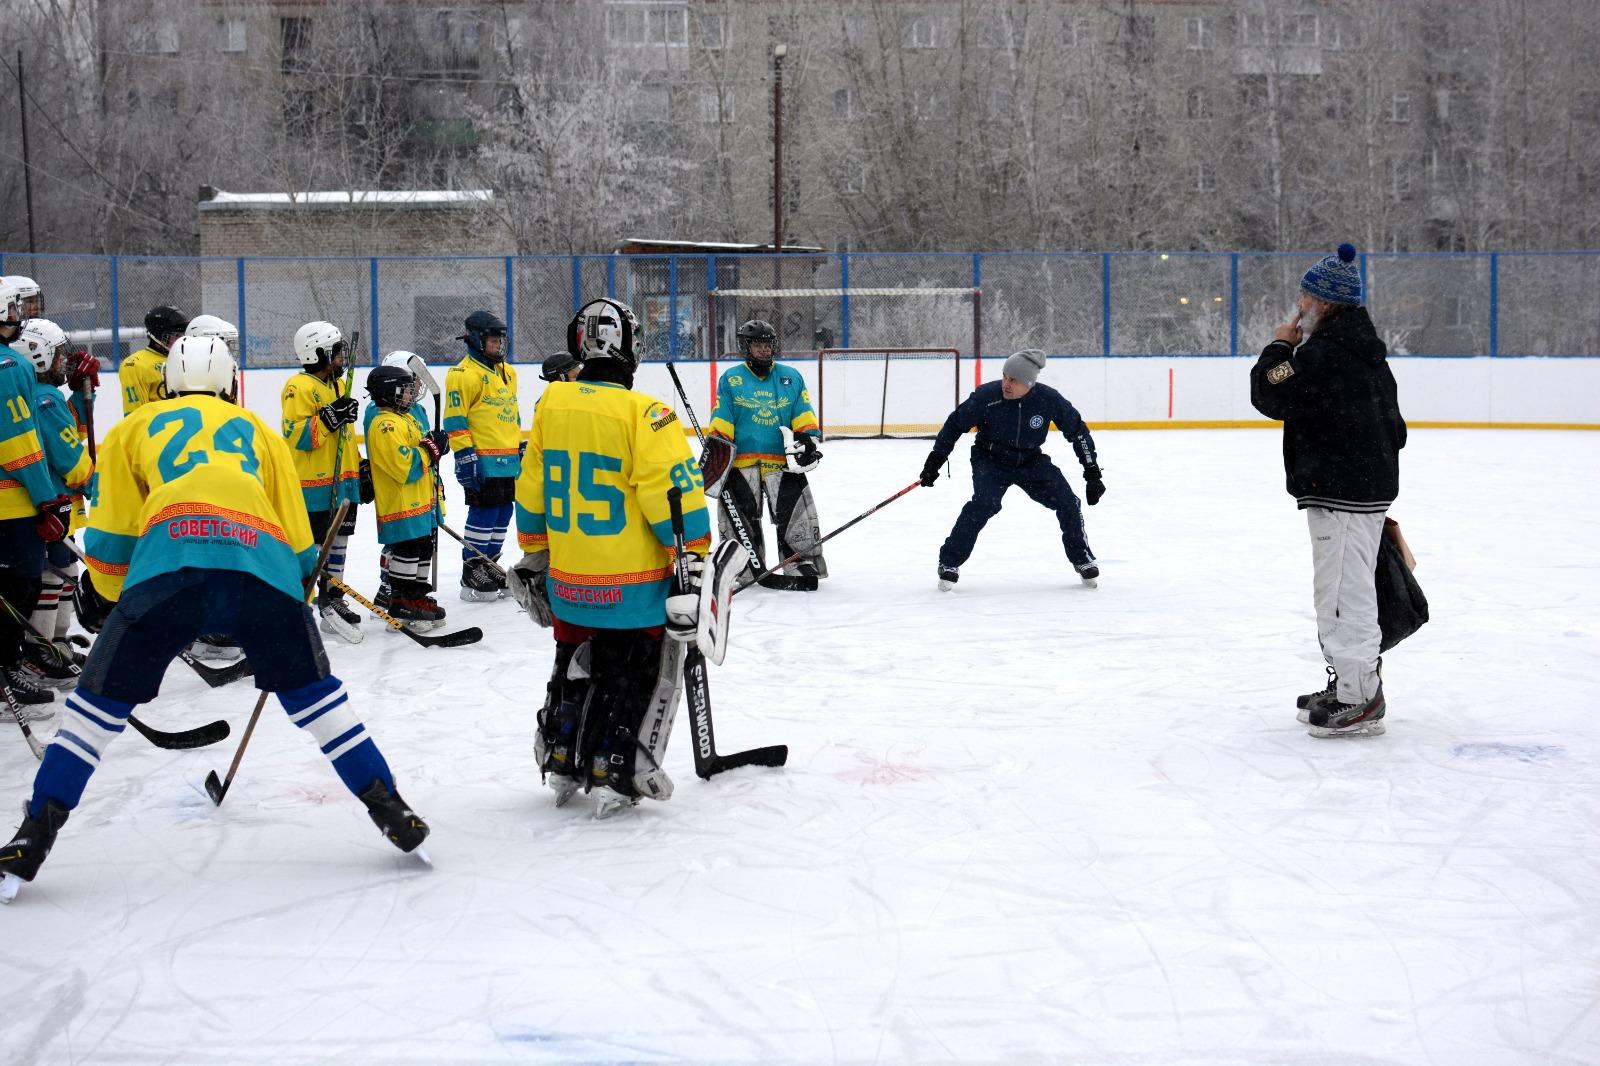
pixel 1344 561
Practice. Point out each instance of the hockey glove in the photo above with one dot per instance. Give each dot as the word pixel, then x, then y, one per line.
pixel 525 580
pixel 364 490
pixel 806 454
pixel 341 412
pixel 54 517
pixel 467 471
pixel 435 443
pixel 92 607
pixel 1093 487
pixel 716 460
pixel 930 469
pixel 83 372
pixel 683 606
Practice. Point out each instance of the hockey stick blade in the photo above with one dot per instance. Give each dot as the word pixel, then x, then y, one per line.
pixel 198 737
pixel 217 676
pixel 775 755
pixel 448 640
pixel 215 788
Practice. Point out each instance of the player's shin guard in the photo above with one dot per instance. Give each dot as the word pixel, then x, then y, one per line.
pixel 59 628
pixel 43 618
pixel 322 709
pixel 88 726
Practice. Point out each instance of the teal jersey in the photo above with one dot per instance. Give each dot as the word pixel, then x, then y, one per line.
pixel 752 412
pixel 65 456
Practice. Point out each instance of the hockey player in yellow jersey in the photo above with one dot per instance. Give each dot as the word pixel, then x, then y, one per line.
pixel 594 522
pixel 198 526
pixel 141 372
pixel 318 422
pixel 485 427
pixel 404 464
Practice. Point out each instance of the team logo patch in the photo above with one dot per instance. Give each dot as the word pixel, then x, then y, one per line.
pixel 784 382
pixel 1036 421
pixel 1280 373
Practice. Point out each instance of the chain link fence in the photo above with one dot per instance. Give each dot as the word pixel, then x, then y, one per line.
pixel 1071 304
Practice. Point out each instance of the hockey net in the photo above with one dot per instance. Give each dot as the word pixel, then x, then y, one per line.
pixel 886 392
pixel 888 360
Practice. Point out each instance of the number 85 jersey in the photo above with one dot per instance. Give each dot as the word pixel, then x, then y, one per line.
pixel 593 490
pixel 196 481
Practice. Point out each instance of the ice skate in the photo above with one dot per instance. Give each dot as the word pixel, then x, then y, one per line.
pixel 47 667
pixel 1089 574
pixel 480 584
pixel 1330 718
pixel 26 696
pixel 412 606
pixel 338 619
pixel 217 648
pixel 403 827
pixel 948 576
pixel 610 801
pixel 22 857
pixel 1304 702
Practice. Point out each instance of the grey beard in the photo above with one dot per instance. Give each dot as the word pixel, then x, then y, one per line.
pixel 1308 322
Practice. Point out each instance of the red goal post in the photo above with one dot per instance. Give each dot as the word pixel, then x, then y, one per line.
pixel 886 392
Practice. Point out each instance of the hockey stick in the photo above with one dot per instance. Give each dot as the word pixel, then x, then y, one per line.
pixel 420 371
pixel 198 737
pixel 869 511
pixel 449 640
pixel 706 760
pixel 17 715
pixel 215 676
pixel 735 517
pixel 215 788
pixel 493 565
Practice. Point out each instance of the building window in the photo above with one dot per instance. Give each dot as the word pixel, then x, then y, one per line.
pixel 1198 32
pixel 715 108
pixel 1400 106
pixel 166 38
pixel 1441 104
pixel 852 178
pixel 662 25
pixel 1457 312
pixel 844 103
pixel 1301 30
pixel 919 31
pixel 1077 31
pixel 1197 105
pixel 1141 38
pixel 1252 30
pixel 1333 35
pixel 294 35
pixel 233 35
pixel 1203 181
pixel 715 33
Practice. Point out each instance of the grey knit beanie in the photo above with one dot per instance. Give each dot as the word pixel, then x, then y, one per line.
pixel 1025 365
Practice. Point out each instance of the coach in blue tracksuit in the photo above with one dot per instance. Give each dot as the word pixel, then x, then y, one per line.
pixel 1013 416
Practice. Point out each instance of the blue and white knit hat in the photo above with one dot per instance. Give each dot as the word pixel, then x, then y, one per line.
pixel 1335 278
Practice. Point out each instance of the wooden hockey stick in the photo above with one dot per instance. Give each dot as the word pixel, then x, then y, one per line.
pixel 864 514
pixel 448 640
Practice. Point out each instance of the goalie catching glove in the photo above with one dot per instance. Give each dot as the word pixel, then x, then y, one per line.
pixel 526 582
pixel 699 613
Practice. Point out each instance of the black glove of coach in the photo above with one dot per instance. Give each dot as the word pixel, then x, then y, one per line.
pixel 930 469
pixel 1093 487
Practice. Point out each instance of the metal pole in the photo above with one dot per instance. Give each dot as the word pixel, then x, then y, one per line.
pixel 27 166
pixel 778 52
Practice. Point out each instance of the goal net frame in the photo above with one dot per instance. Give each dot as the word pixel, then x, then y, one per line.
pixel 884 429
pixel 852 347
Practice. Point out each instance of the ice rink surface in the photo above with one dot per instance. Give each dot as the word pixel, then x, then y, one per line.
pixel 1023 821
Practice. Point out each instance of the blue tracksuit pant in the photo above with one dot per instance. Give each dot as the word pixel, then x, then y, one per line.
pixel 1044 483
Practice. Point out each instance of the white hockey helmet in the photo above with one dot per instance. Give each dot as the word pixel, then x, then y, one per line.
pixel 212 326
pixel 400 359
pixel 10 303
pixel 314 341
pixel 41 341
pixel 201 364
pixel 28 290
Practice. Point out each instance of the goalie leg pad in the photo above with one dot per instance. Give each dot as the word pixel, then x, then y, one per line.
pixel 717 585
pixel 794 513
pixel 636 694
pixel 566 694
pixel 740 491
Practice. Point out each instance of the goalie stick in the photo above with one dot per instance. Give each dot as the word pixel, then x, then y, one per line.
pixel 771 580
pixel 198 737
pixel 706 760
pixel 447 640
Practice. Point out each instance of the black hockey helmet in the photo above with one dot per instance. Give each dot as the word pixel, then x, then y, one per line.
pixel 479 325
pixel 752 332
pixel 165 323
pixel 388 386
pixel 604 329
pixel 557 366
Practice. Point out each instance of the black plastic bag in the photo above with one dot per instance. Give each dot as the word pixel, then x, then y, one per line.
pixel 1402 608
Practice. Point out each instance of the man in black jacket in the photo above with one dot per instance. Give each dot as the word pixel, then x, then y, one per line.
pixel 1326 375
pixel 1013 416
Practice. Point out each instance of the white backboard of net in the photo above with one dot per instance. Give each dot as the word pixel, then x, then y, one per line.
pixel 885 361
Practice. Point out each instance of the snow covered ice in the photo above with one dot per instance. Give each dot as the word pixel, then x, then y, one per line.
pixel 1022 821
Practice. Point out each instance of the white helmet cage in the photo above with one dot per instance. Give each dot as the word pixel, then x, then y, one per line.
pixel 201 364
pixel 27 289
pixel 314 341
pixel 212 326
pixel 41 341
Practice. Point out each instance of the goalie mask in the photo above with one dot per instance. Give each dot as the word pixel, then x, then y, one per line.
pixel 755 332
pixel 604 329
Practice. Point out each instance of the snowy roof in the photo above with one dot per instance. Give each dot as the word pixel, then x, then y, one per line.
pixel 631 244
pixel 343 198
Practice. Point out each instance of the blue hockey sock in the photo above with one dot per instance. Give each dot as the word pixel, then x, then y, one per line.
pixel 322 709
pixel 88 726
pixel 486 530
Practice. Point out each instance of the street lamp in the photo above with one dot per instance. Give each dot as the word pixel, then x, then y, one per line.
pixel 778 52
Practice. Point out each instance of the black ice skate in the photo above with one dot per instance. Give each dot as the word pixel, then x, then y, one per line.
pixel 403 827
pixel 1304 702
pixel 26 693
pixel 1330 718
pixel 412 605
pixel 948 576
pixel 47 666
pixel 1088 573
pixel 479 583
pixel 31 846
pixel 337 618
